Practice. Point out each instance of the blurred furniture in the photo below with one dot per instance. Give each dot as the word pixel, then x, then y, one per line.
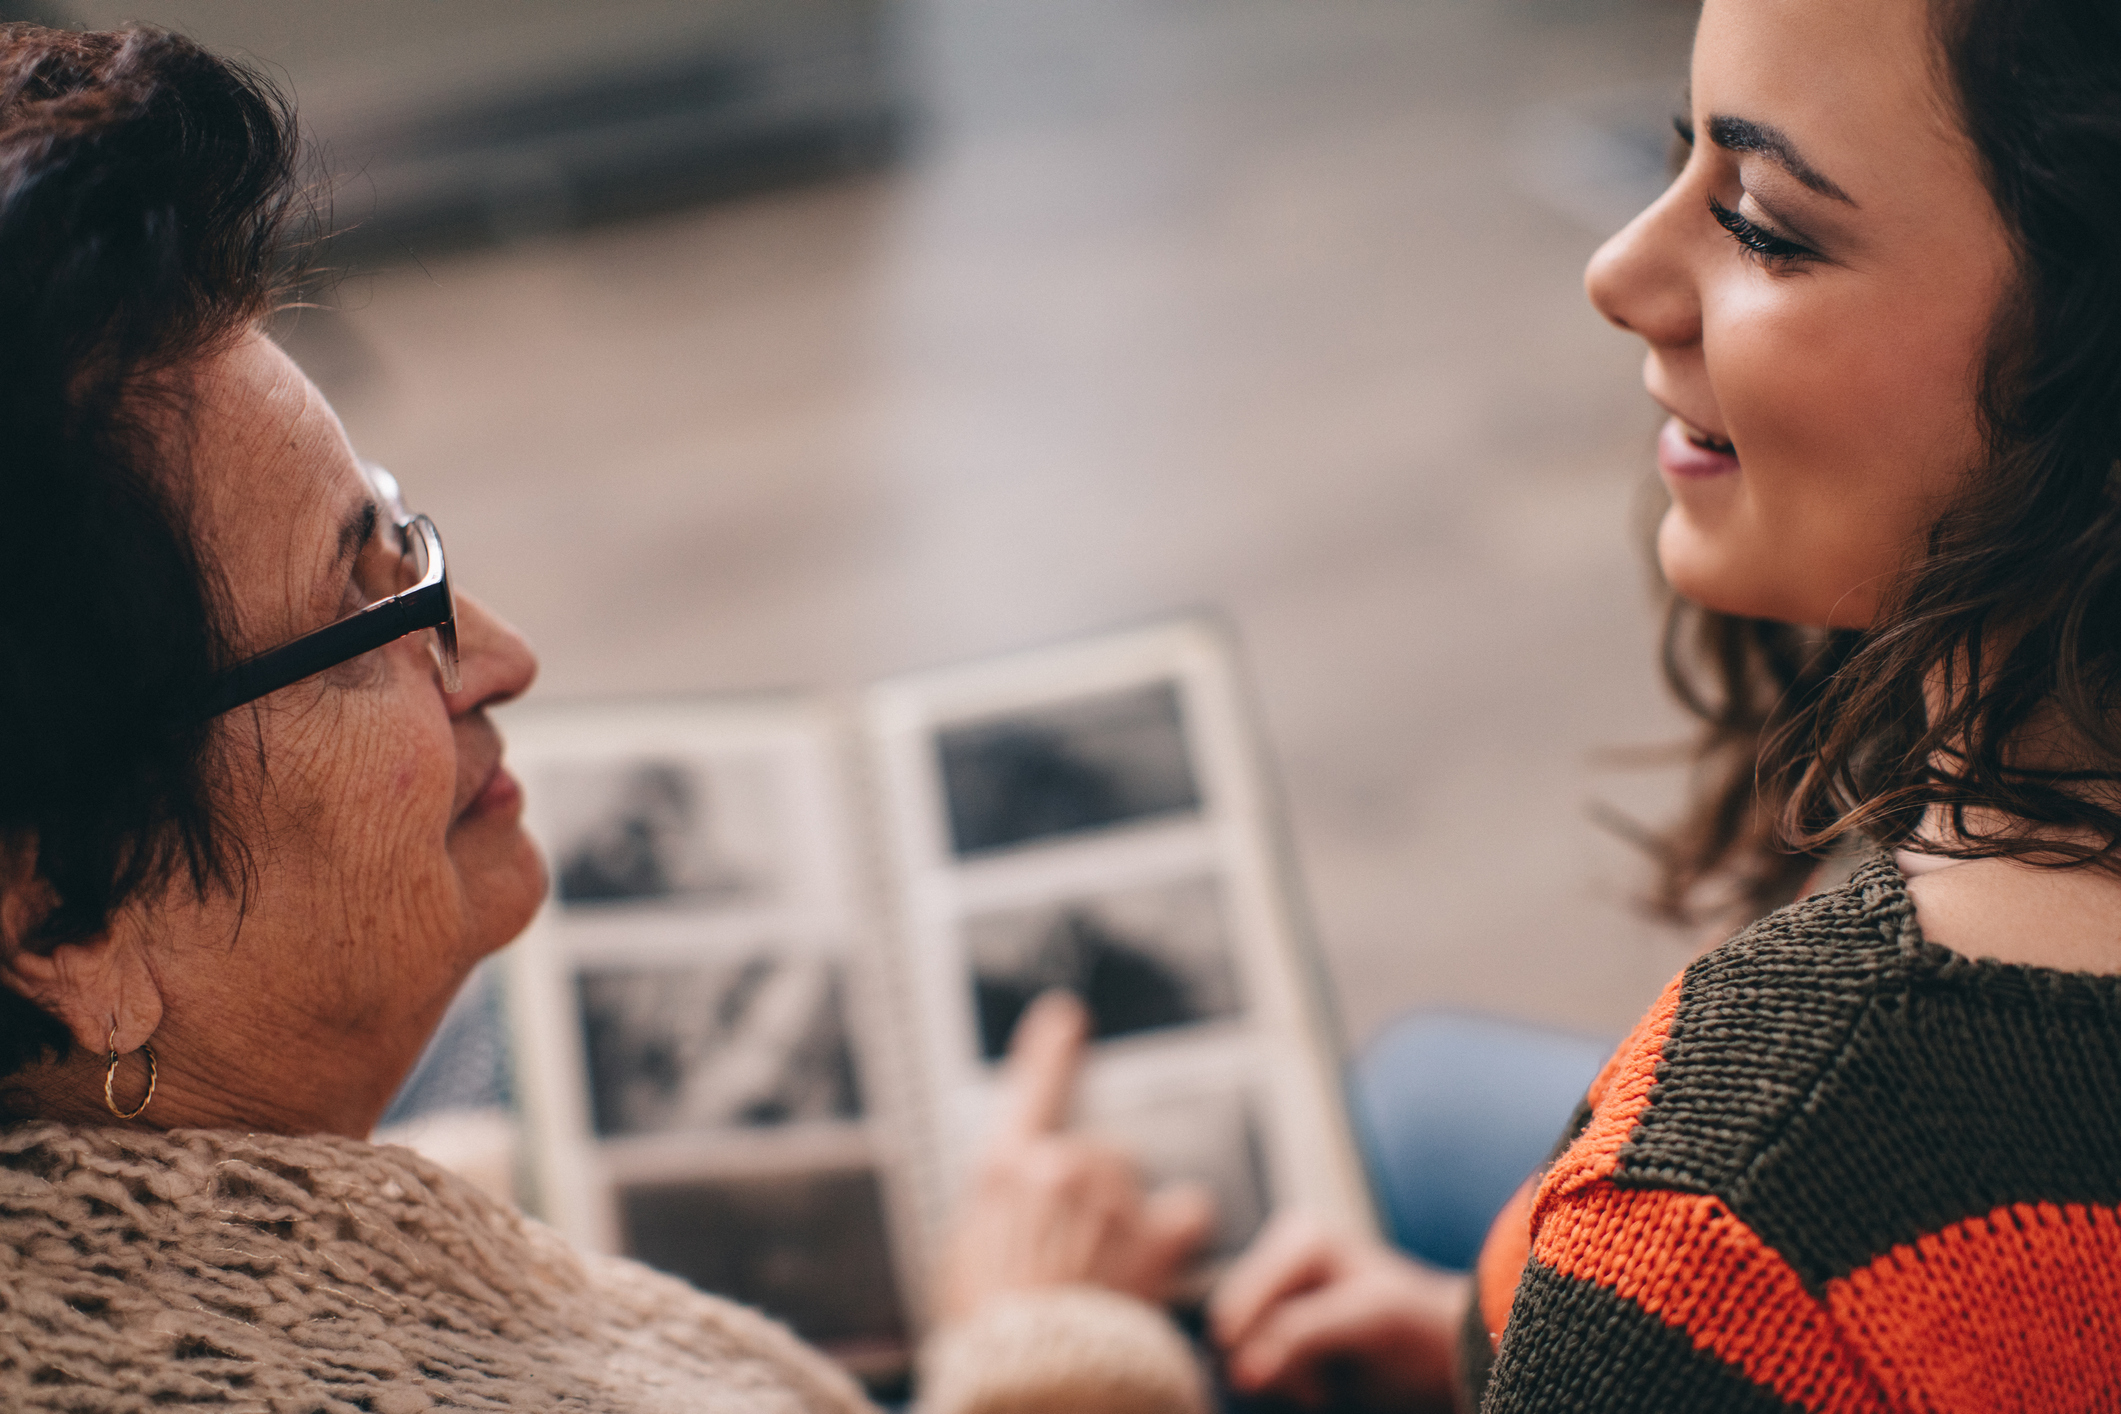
pixel 444 122
pixel 1456 1112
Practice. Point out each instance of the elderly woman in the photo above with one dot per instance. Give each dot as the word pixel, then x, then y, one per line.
pixel 257 830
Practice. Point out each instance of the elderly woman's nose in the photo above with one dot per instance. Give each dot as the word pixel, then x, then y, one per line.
pixel 496 662
pixel 1640 281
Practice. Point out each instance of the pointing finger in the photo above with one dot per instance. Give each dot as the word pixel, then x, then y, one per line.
pixel 1044 1056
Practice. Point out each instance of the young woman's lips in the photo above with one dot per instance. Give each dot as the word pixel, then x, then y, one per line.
pixel 1681 457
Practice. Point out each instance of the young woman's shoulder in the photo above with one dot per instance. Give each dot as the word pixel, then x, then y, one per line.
pixel 1833 1038
pixel 1840 1166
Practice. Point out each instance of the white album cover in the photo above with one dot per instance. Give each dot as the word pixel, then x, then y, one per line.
pixel 755 1029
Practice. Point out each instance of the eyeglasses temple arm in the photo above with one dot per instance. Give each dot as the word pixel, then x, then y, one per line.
pixel 371 628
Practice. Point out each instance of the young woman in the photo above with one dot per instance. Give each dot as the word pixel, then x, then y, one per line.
pixel 1867 1155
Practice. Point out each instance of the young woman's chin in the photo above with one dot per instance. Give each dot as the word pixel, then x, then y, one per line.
pixel 1702 565
pixel 1698 565
pixel 1715 567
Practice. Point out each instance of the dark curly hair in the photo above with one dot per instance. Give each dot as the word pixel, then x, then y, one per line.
pixel 2010 625
pixel 145 186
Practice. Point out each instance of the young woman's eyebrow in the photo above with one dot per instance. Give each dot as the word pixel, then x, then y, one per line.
pixel 1744 135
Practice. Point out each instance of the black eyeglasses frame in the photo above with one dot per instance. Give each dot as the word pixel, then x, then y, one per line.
pixel 429 604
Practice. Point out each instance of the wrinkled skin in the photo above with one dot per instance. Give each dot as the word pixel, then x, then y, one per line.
pixel 384 841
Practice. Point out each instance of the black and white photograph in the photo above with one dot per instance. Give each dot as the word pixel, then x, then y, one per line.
pixel 1066 768
pixel 809 1248
pixel 1213 1138
pixel 1142 959
pixel 755 1040
pixel 700 833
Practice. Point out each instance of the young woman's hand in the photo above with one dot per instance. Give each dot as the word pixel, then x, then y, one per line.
pixel 1318 1317
pixel 1049 1208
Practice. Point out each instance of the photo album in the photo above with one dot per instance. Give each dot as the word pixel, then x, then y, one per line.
pixel 754 1035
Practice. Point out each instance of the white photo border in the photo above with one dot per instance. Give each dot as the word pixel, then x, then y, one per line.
pixel 1313 1158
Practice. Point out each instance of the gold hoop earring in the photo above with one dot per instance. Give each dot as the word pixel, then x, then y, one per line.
pixel 110 1079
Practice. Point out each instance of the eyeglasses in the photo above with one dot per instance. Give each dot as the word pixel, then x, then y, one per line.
pixel 413 596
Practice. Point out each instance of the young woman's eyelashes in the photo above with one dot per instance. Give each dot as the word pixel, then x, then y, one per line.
pixel 1773 251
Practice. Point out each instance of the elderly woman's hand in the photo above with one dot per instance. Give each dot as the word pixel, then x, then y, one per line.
pixel 1050 1208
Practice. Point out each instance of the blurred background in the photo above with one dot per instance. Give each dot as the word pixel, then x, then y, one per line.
pixel 792 344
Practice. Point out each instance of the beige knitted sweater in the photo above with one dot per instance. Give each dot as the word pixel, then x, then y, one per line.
pixel 144 1271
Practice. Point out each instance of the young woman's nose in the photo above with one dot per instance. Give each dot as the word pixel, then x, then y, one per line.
pixel 495 661
pixel 1640 279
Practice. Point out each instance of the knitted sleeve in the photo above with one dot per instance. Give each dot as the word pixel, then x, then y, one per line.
pixel 1837 1168
pixel 1067 1350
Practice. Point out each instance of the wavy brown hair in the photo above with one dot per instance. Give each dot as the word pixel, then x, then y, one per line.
pixel 2008 629
pixel 145 190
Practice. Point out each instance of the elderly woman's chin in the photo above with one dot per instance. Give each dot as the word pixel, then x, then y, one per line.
pixel 502 874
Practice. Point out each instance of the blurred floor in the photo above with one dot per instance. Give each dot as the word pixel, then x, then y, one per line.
pixel 1179 302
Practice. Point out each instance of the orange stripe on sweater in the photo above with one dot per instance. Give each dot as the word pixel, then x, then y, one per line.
pixel 2017 1309
pixel 1618 1097
pixel 1502 1258
pixel 1687 1260
pixel 1626 1079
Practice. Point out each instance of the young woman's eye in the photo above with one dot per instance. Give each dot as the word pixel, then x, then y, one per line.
pixel 1768 247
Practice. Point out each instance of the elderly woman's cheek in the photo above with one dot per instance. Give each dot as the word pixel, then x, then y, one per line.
pixel 406 781
pixel 397 780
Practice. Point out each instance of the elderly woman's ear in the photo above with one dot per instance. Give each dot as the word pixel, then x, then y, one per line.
pixel 90 986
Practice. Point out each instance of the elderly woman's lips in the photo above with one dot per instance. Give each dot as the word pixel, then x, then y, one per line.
pixel 1681 457
pixel 498 794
